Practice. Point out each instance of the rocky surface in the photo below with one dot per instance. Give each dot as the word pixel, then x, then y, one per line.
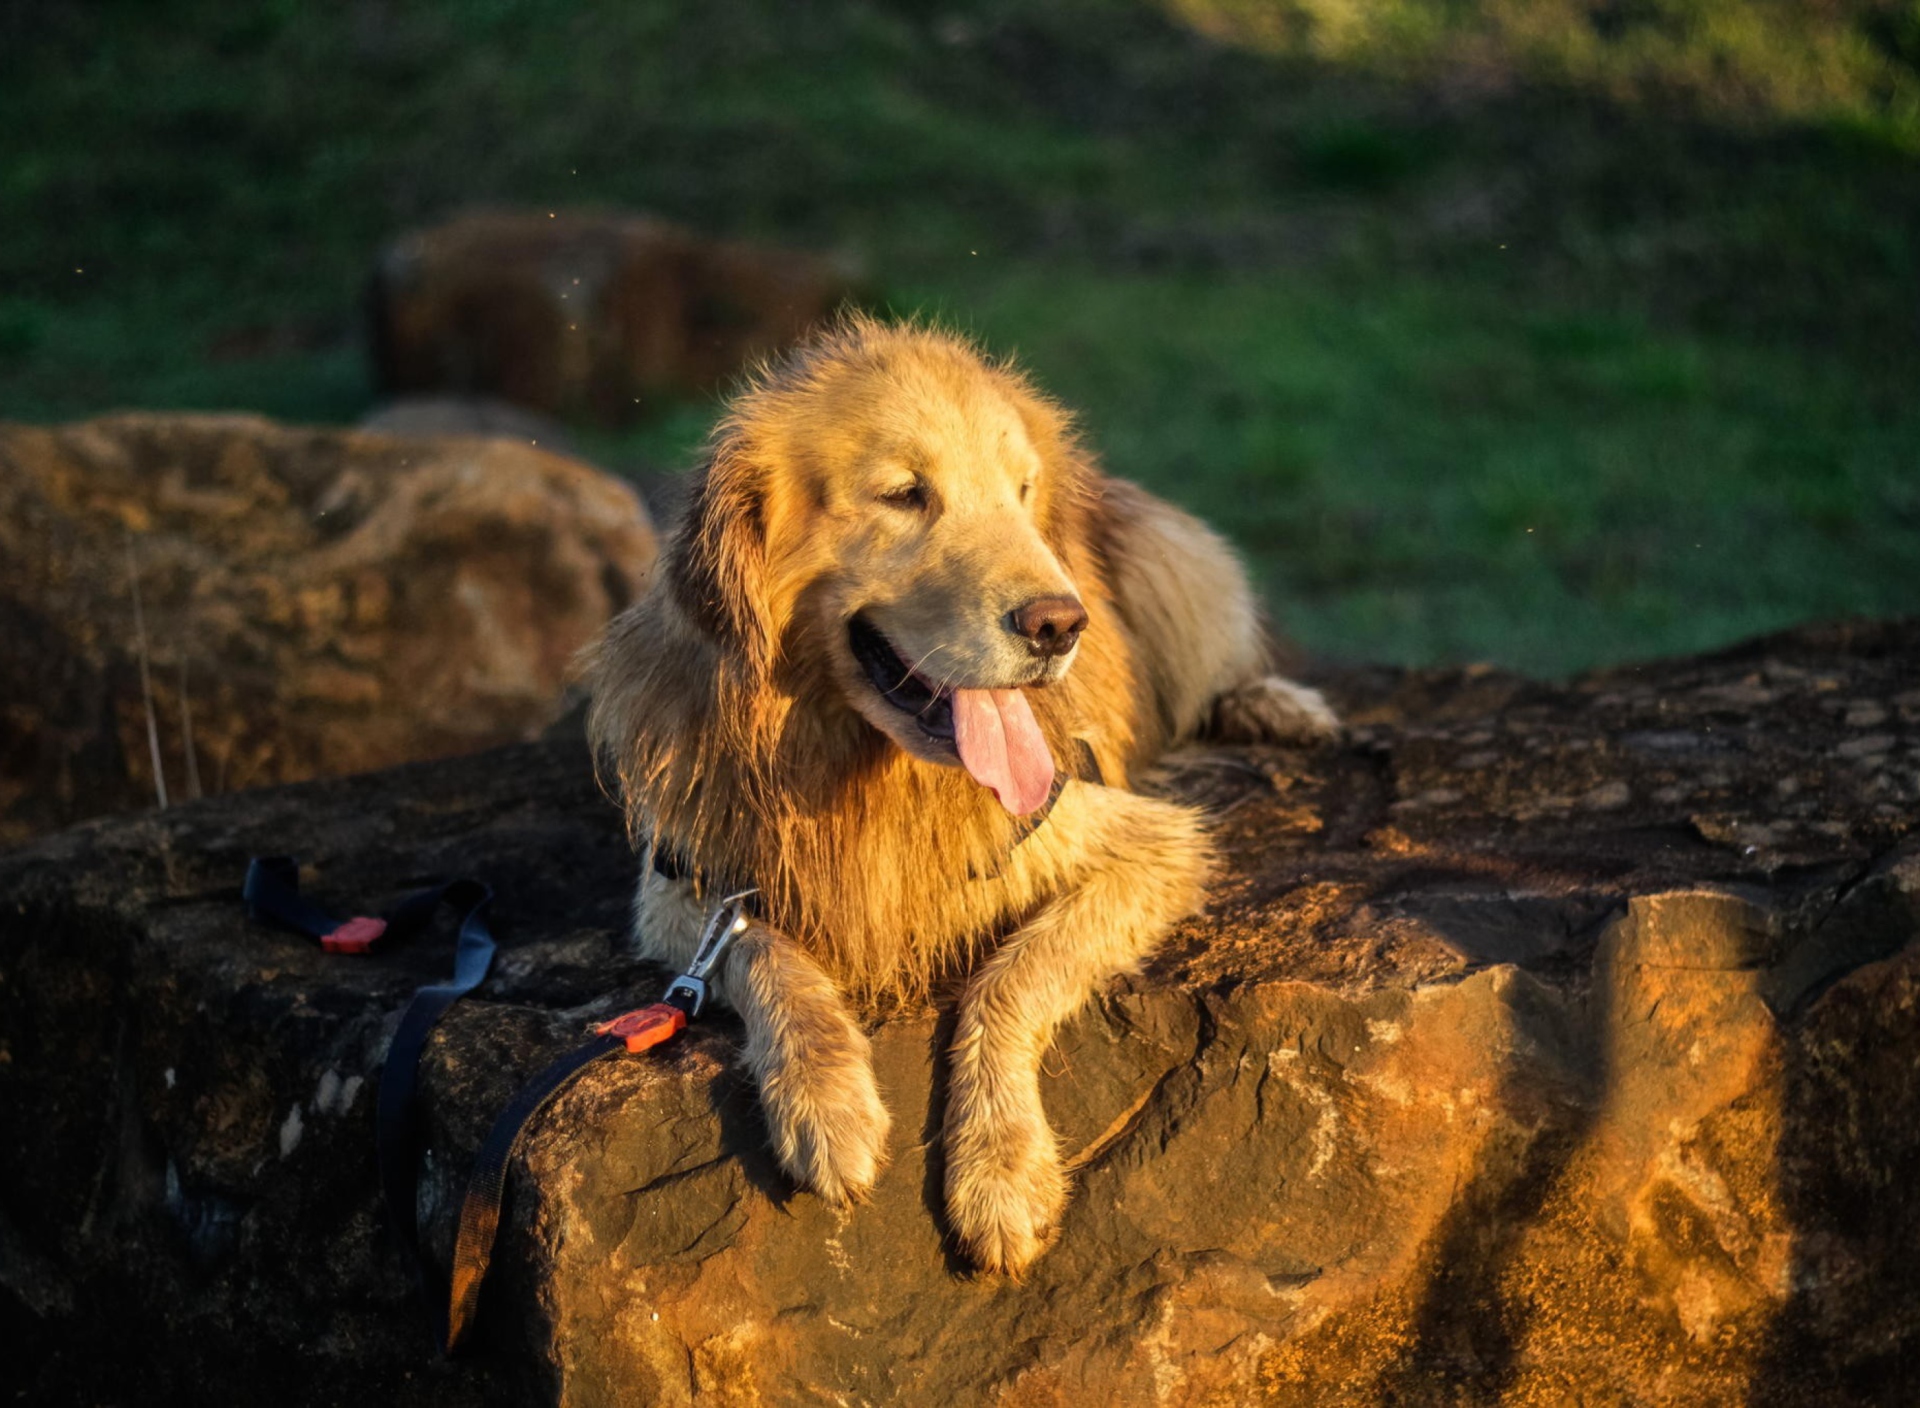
pixel 434 416
pixel 583 313
pixel 1543 1044
pixel 314 602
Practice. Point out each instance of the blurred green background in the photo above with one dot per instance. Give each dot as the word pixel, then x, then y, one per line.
pixel 1546 333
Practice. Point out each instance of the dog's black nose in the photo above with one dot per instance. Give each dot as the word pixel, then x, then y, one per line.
pixel 1051 624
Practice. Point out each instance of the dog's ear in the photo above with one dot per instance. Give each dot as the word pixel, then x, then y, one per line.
pixel 717 562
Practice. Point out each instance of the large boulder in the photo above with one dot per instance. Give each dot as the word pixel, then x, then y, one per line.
pixel 1543 1044
pixel 436 416
pixel 311 602
pixel 585 313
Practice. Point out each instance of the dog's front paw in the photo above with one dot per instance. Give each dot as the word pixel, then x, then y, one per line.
pixel 824 1111
pixel 1273 710
pixel 1005 1190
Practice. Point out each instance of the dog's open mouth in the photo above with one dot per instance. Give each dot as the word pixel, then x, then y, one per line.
pixel 992 731
pixel 898 684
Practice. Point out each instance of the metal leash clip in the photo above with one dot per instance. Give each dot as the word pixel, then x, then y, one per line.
pixel 647 1027
pixel 729 920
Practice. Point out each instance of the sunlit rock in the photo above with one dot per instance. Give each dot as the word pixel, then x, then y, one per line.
pixel 311 602
pixel 1483 1100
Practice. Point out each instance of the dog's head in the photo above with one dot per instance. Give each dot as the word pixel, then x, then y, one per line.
pixel 895 515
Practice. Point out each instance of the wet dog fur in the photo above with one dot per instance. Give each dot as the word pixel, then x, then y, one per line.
pixel 891 478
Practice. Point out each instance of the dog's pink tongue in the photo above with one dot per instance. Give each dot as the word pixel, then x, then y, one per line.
pixel 1001 745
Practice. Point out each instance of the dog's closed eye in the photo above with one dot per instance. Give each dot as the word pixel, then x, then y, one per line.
pixel 911 496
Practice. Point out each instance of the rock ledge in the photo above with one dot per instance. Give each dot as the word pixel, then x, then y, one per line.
pixel 1546 1042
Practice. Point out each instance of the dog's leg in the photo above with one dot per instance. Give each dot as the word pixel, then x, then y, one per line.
pixel 1269 709
pixel 1202 641
pixel 1004 1181
pixel 813 1064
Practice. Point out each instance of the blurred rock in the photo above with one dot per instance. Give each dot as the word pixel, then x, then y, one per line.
pixel 577 313
pixel 468 415
pixel 316 602
pixel 1546 1044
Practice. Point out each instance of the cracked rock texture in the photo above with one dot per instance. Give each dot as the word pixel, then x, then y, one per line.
pixel 315 602
pixel 1543 1044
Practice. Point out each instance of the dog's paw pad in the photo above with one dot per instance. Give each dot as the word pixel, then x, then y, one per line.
pixel 1274 710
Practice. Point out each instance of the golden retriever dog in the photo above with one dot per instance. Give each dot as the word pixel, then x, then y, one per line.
pixel 894 670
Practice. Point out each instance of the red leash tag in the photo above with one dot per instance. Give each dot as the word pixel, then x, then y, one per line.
pixel 357 935
pixel 645 1027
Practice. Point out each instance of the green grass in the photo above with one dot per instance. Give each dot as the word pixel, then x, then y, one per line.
pixel 1552 374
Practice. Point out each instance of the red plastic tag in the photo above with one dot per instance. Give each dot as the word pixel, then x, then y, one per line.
pixel 645 1027
pixel 357 935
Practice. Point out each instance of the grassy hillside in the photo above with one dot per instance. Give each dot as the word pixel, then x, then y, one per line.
pixel 1545 345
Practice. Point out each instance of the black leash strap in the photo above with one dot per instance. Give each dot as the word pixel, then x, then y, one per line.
pixel 272 894
pixel 635 1031
pixel 487 1184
